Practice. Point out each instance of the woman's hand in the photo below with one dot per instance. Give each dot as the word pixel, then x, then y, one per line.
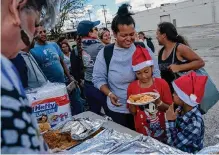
pixel 174 68
pixel 114 99
pixel 132 109
pixel 158 102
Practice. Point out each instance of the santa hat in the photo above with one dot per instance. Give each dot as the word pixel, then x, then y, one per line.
pixel 190 88
pixel 141 58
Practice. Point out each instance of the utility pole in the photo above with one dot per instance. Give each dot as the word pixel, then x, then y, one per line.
pixel 104 12
pixel 213 12
pixel 89 12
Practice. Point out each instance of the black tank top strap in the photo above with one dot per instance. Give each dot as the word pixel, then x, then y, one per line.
pixel 160 54
pixel 175 60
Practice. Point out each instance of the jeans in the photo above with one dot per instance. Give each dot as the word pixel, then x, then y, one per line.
pixel 77 104
pixel 95 98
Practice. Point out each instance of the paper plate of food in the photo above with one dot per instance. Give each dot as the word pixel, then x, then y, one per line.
pixel 143 99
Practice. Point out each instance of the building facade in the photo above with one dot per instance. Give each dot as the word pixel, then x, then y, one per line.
pixel 187 13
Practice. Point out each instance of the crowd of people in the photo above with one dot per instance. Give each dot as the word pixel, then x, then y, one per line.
pixel 106 74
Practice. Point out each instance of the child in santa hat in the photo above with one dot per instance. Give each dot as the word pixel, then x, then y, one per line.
pixel 185 126
pixel 149 119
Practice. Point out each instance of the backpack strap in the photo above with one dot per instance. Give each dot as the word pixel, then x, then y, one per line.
pixel 174 53
pixel 108 53
pixel 140 44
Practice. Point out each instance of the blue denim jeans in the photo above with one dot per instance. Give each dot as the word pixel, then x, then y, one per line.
pixel 77 103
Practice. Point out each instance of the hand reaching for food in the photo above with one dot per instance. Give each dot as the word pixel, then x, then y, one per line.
pixel 114 99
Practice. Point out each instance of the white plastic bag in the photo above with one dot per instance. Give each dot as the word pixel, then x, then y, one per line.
pixel 50 103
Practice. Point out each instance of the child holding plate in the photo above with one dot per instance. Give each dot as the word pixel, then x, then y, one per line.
pixel 149 117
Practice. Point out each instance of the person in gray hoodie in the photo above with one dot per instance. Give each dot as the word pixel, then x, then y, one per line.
pixel 30 73
pixel 88 48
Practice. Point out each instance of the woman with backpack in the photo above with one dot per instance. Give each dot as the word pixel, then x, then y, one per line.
pixel 88 46
pixel 176 55
pixel 113 67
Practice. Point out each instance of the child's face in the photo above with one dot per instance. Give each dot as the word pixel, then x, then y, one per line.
pixel 145 74
pixel 177 100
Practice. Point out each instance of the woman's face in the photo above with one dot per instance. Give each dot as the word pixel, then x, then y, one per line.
pixel 144 75
pixel 106 39
pixel 160 37
pixel 65 48
pixel 126 35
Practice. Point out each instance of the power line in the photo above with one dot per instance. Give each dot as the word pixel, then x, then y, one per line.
pixel 104 13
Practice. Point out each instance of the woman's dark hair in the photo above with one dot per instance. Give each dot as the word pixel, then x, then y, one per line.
pixel 123 17
pixel 79 48
pixel 67 45
pixel 59 41
pixel 170 30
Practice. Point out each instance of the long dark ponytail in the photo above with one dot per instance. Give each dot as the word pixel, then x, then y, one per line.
pixel 80 50
pixel 79 47
pixel 170 30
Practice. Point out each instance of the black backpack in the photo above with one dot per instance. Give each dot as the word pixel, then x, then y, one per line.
pixel 108 53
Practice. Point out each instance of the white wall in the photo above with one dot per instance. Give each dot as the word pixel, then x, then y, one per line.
pixel 189 13
pixel 217 10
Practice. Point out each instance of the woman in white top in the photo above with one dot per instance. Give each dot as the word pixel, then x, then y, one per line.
pixel 67 52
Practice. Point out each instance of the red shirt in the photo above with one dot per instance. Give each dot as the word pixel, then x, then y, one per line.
pixel 151 124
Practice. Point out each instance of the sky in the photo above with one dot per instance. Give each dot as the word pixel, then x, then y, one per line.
pixel 112 7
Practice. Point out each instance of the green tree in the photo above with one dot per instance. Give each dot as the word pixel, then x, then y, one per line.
pixel 67 7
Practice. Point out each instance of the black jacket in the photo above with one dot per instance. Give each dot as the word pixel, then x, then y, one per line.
pixel 21 67
pixel 150 44
pixel 76 65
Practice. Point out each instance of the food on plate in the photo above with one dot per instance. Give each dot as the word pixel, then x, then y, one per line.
pixel 141 98
pixel 44 127
pixel 56 139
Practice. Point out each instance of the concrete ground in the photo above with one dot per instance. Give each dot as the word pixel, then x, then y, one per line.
pixel 205 41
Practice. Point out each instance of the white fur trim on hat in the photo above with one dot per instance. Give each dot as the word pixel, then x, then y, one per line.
pixel 190 100
pixel 142 65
